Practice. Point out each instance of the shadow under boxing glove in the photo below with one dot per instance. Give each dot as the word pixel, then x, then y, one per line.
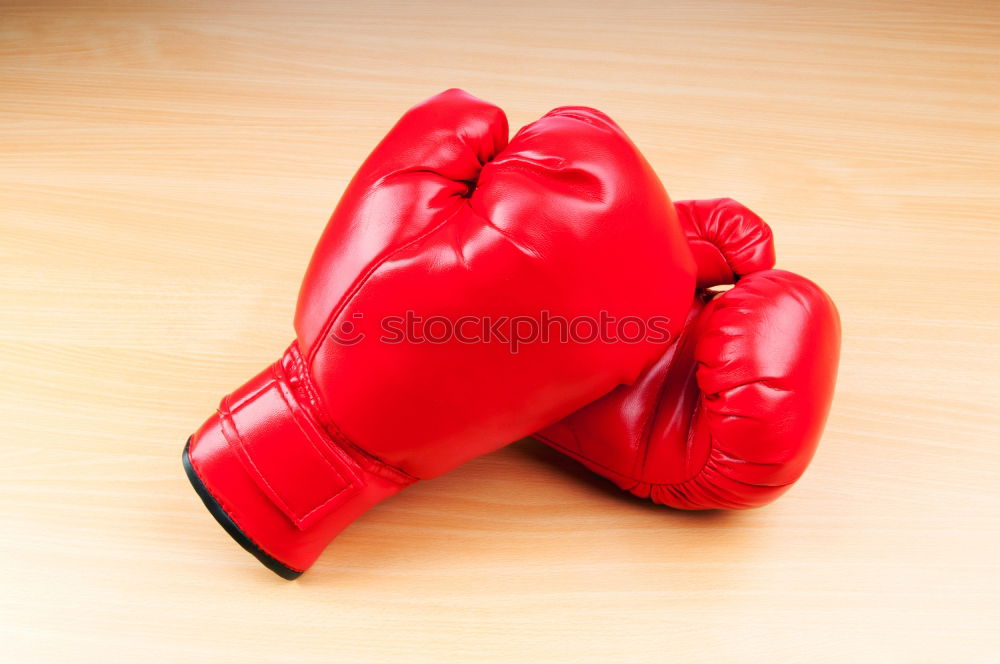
pixel 447 221
pixel 730 416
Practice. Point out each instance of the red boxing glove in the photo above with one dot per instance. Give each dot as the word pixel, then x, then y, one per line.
pixel 444 219
pixel 730 416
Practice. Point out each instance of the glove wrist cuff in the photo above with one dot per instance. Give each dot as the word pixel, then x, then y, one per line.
pixel 267 468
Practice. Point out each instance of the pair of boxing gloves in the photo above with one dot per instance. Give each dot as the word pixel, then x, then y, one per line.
pixel 563 236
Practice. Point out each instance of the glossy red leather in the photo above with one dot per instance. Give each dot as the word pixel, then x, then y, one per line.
pixel 445 218
pixel 726 238
pixel 730 416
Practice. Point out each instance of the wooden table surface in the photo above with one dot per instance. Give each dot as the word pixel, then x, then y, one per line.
pixel 166 167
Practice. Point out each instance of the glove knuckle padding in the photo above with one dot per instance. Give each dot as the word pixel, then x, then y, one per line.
pixel 731 414
pixel 727 239
pixel 767 358
pixel 556 220
pixel 416 178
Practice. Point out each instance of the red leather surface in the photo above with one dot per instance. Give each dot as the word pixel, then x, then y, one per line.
pixel 445 218
pixel 284 451
pixel 730 416
pixel 313 495
pixel 726 238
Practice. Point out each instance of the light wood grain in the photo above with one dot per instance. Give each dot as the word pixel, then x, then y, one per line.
pixel 165 168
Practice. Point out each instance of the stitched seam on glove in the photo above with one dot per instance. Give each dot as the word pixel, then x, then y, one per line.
pixel 369 273
pixel 348 483
pixel 367 461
